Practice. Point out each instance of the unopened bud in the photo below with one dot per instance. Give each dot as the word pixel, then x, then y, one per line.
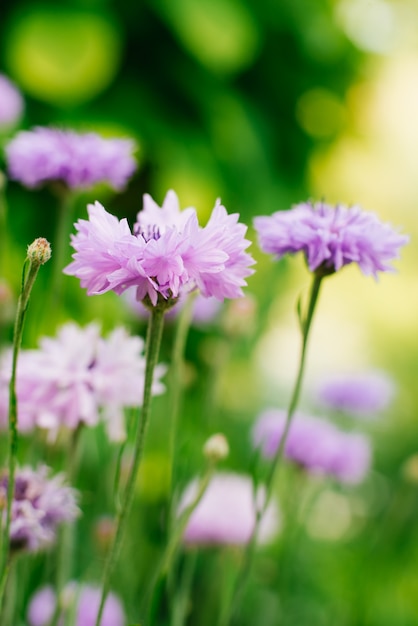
pixel 39 251
pixel 216 448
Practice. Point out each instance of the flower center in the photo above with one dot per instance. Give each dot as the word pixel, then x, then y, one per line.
pixel 151 231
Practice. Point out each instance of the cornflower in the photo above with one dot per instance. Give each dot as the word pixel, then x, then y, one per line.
pixel 167 253
pixel 314 444
pixel 78 160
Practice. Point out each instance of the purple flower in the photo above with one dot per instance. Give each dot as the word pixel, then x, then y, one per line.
pixel 168 254
pixel 86 598
pixel 225 514
pixel 77 378
pixel 39 505
pixel 316 445
pixel 79 160
pixel 361 394
pixel 11 103
pixel 331 237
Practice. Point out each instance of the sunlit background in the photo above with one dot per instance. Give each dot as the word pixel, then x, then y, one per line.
pixel 263 104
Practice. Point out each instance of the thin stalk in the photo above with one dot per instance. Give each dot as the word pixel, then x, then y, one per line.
pixel 306 324
pixel 181 605
pixel 169 554
pixel 28 280
pixel 154 334
pixel 176 380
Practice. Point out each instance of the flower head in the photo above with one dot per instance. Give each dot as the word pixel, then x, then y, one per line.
pixel 167 254
pixel 86 599
pixel 79 160
pixel 39 505
pixel 77 378
pixel 314 444
pixel 11 103
pixel 331 237
pixel 226 513
pixel 360 394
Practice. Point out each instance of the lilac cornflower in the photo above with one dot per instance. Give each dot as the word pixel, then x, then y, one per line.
pixel 226 512
pixel 39 505
pixel 77 378
pixel 167 254
pixel 360 394
pixel 86 599
pixel 314 444
pixel 331 238
pixel 79 160
pixel 11 103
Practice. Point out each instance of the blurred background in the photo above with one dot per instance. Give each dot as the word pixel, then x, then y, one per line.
pixel 263 103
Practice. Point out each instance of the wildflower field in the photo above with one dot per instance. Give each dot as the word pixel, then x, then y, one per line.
pixel 208 313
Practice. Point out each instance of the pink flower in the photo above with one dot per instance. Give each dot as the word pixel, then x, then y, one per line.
pixel 331 237
pixel 39 505
pixel 226 513
pixel 79 377
pixel 315 444
pixel 167 254
pixel 86 598
pixel 364 394
pixel 11 103
pixel 80 160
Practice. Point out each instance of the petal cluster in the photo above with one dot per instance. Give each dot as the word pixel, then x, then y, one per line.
pixel 79 377
pixel 226 513
pixel 39 505
pixel 315 444
pixel 331 237
pixel 11 103
pixel 359 394
pixel 80 160
pixel 85 599
pixel 167 254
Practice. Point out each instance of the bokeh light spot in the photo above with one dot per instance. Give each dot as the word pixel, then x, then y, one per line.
pixel 63 56
pixel 320 113
pixel 221 35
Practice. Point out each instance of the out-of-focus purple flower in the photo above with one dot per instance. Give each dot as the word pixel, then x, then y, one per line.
pixel 168 254
pixel 360 394
pixel 11 103
pixel 315 444
pixel 85 598
pixel 205 310
pixel 80 160
pixel 39 505
pixel 225 514
pixel 331 237
pixel 76 378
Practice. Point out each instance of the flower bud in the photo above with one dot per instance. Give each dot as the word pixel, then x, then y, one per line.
pixel 39 251
pixel 216 448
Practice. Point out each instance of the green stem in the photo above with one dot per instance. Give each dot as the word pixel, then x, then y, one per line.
pixel 176 380
pixel 175 538
pixel 28 281
pixel 181 605
pixel 154 334
pixel 306 324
